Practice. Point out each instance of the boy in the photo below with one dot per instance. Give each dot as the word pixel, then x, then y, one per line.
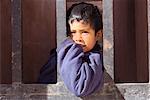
pixel 79 56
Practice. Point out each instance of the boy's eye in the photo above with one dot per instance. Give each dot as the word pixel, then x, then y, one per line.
pixel 72 33
pixel 85 33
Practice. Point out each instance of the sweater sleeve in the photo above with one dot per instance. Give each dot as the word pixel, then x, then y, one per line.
pixel 82 77
pixel 48 72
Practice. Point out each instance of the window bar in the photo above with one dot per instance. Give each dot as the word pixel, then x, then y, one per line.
pixel 16 41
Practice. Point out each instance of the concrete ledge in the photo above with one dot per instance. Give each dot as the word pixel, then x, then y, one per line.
pixel 135 91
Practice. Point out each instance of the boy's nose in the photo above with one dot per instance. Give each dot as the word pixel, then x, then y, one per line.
pixel 78 38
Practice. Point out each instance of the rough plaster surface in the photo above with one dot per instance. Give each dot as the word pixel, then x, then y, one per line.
pixel 133 91
pixel 56 92
pixel 108 36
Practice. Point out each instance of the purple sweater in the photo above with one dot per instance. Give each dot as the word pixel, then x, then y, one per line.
pixel 81 72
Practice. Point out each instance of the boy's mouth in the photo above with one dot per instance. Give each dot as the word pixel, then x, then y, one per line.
pixel 83 45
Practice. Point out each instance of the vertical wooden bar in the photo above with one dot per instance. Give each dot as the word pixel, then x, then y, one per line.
pixel 5 42
pixel 141 30
pixel 124 41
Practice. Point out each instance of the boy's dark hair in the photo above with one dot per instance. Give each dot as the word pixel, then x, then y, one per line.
pixel 86 12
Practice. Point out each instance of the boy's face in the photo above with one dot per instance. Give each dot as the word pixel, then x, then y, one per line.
pixel 82 33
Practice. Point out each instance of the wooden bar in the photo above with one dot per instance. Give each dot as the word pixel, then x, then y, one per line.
pixel 124 41
pixel 141 29
pixel 5 42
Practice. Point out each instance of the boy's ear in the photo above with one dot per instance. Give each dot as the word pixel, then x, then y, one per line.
pixel 99 35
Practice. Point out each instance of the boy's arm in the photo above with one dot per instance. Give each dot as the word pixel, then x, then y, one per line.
pixel 48 73
pixel 81 77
